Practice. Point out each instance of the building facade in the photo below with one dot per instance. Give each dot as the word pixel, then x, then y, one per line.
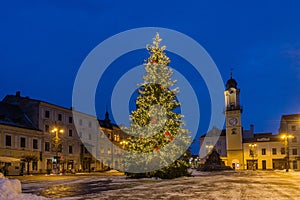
pixel 244 149
pixel 67 141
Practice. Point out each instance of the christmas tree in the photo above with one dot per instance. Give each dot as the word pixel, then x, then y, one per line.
pixel 159 143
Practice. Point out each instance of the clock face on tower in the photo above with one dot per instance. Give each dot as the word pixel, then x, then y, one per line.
pixel 233 121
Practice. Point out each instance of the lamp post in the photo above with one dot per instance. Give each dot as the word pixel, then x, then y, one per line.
pixel 252 154
pixel 123 143
pixel 57 143
pixel 209 148
pixel 286 138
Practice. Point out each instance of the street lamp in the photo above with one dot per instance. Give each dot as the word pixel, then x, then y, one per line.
pixel 286 138
pixel 57 143
pixel 124 143
pixel 209 148
pixel 253 153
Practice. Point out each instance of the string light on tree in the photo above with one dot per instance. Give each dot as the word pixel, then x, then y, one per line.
pixel 155 124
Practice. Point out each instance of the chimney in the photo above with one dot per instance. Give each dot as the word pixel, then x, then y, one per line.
pixel 18 94
pixel 252 128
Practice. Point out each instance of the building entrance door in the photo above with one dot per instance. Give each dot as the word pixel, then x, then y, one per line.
pixel 264 164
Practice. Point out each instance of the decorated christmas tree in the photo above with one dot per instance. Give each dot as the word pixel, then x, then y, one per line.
pixel 159 143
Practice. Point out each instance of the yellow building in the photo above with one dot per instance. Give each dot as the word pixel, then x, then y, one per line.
pixel 244 149
pixel 18 138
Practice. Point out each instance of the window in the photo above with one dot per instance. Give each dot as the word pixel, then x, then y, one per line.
pixel 22 142
pixel 34 165
pixel 294 128
pixel 60 147
pixel 47 114
pixel 282 151
pixel 90 124
pixel 46 128
pixel 101 150
pixel 263 151
pixel 294 139
pixel 47 146
pixel 70 132
pixel 108 151
pixel 294 151
pixel 80 122
pixel 70 149
pixel 274 152
pixel 8 140
pixel 59 117
pixel 90 136
pixel 35 144
pixel 70 120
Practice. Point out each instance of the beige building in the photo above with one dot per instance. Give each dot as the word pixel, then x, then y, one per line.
pixel 67 140
pixel 244 149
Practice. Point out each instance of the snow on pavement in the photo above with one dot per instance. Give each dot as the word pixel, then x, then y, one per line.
pixel 246 185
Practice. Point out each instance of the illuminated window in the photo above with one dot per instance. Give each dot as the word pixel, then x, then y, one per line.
pixel 101 150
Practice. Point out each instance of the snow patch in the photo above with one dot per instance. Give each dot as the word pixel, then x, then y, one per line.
pixel 12 190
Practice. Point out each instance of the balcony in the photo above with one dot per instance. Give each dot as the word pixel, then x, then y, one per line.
pixel 234 107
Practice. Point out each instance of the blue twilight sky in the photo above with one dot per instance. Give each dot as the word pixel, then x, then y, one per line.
pixel 43 43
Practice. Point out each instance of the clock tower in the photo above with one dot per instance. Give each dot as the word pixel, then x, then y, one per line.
pixel 234 135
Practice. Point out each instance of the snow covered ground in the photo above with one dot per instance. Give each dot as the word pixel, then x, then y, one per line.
pixel 246 185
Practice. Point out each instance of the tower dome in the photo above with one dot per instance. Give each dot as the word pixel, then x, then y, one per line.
pixel 231 83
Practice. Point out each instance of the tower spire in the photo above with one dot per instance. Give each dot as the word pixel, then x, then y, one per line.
pixel 106 114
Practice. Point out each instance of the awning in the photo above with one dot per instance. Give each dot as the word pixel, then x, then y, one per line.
pixel 9 159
